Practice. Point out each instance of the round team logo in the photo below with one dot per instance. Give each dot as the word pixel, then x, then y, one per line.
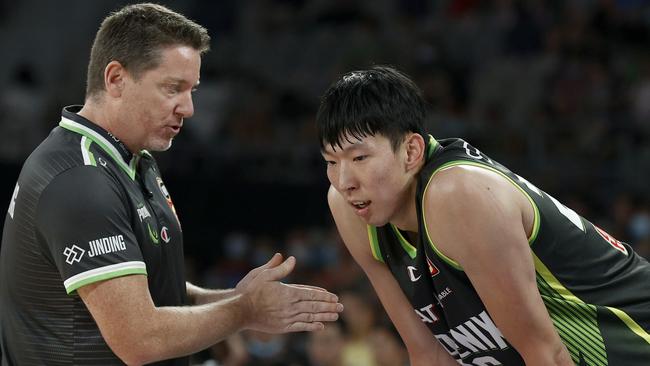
pixel 165 193
pixel 164 234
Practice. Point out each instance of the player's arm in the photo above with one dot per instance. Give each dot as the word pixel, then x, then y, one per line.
pixel 83 204
pixel 480 220
pixel 422 346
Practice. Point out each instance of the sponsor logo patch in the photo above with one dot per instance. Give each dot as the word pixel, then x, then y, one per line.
pixel 73 254
pixel 165 193
pixel 164 234
pixel 432 268
pixel 106 245
pixel 611 240
pixel 412 271
pixel 143 213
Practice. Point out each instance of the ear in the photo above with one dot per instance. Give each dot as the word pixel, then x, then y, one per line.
pixel 114 78
pixel 415 150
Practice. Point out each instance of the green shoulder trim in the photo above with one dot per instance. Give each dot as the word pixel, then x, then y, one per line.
pixel 374 243
pixel 536 222
pixel 410 249
pixel 102 142
pixel 104 273
pixel 433 143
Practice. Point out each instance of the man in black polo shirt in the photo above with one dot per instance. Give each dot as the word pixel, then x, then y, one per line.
pixel 91 268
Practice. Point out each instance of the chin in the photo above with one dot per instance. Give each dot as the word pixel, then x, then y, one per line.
pixel 377 222
pixel 162 145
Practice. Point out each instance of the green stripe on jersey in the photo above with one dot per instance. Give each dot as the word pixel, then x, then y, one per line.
pixel 104 273
pixel 410 249
pixel 102 142
pixel 374 243
pixel 575 321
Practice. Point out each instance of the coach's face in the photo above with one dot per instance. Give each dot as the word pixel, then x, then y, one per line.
pixel 156 104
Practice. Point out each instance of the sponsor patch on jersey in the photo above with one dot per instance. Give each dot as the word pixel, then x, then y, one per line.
pixel 106 245
pixel 165 193
pixel 143 213
pixel 164 234
pixel 432 268
pixel 73 254
pixel 611 240
pixel 412 273
pixel 153 235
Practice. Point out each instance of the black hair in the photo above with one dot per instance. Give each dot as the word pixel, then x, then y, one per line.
pixel 380 100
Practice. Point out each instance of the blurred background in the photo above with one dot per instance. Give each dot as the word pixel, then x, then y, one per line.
pixel 558 91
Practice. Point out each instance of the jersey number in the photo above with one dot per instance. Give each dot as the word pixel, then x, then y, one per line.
pixel 12 205
pixel 567 212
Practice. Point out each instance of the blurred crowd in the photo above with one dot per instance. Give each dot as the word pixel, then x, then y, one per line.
pixel 558 91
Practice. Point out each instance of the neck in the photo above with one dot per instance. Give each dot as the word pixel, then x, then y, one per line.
pixel 98 113
pixel 406 219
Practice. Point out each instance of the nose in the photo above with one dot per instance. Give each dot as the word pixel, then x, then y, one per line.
pixel 185 107
pixel 347 180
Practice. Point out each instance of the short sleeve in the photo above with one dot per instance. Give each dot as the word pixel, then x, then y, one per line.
pixel 83 218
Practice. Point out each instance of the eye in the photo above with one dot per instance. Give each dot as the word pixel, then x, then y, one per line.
pixel 330 162
pixel 172 89
pixel 360 158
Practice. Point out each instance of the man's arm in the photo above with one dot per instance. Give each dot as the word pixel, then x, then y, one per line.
pixel 139 332
pixel 481 221
pixel 422 346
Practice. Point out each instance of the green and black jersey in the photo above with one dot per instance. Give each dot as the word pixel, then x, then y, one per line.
pixel 595 288
pixel 84 210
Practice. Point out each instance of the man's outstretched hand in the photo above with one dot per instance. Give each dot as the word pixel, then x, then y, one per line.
pixel 275 307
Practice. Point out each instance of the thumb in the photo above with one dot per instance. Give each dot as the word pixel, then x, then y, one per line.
pixel 279 272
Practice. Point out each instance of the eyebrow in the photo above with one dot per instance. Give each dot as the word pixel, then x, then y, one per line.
pixel 347 148
pixel 181 81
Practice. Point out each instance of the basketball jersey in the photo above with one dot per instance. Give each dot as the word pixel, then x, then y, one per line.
pixel 596 289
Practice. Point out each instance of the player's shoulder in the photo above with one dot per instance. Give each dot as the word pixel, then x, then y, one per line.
pixel 458 185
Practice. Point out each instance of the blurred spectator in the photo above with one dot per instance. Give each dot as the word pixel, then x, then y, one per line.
pixel 388 348
pixel 359 319
pixel 325 348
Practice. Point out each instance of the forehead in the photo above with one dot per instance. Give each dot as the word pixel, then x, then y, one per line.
pixel 178 63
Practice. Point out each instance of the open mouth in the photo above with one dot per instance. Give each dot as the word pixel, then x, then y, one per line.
pixel 360 205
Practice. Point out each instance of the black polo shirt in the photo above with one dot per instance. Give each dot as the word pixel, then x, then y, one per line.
pixel 84 210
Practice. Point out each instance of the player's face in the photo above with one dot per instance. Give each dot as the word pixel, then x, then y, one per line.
pixel 370 176
pixel 156 103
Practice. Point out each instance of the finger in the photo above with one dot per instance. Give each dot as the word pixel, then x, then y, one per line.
pixel 315 318
pixel 317 307
pixel 307 286
pixel 305 327
pixel 311 294
pixel 273 262
pixel 282 270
